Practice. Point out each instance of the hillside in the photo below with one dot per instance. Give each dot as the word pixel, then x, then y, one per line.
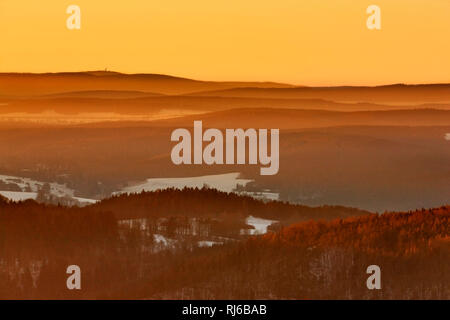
pixel 389 94
pixel 144 103
pixel 327 260
pixel 213 204
pixel 35 84
pixel 169 258
pixel 295 119
pixel 375 168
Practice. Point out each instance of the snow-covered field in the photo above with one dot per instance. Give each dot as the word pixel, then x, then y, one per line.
pixel 223 182
pixel 29 189
pixel 30 185
pixel 263 195
pixel 85 201
pixel 19 196
pixel 260 225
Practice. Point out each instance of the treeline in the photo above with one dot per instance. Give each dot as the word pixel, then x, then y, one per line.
pixel 401 233
pixel 328 260
pixel 309 260
pixel 213 203
pixel 38 242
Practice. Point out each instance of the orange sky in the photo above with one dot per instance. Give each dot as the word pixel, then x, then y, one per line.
pixel 312 42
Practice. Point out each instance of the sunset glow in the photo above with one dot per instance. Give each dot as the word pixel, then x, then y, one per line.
pixel 301 42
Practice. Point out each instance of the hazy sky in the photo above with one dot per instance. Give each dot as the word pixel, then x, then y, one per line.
pixel 314 42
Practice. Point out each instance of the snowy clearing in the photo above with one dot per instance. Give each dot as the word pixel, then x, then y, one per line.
pixel 222 182
pixel 85 201
pixel 227 182
pixel 260 225
pixel 263 195
pixel 29 190
pixel 18 196
pixel 30 185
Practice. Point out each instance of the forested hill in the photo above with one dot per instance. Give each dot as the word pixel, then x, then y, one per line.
pixel 328 260
pixel 211 203
pixel 308 260
pixel 397 233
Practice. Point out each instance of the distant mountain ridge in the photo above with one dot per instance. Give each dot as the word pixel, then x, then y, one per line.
pixel 41 84
pixel 303 118
pixel 155 94
pixel 393 94
pixel 32 84
pixel 103 94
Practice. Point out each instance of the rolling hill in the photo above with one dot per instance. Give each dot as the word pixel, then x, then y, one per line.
pixel 389 94
pixel 29 84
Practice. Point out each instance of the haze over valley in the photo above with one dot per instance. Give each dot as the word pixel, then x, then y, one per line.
pixel 374 148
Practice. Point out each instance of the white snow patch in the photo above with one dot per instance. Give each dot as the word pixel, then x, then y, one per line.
pixel 85 200
pixel 222 182
pixel 29 189
pixel 159 238
pixel 30 185
pixel 260 225
pixel 164 241
pixel 19 196
pixel 203 244
pixel 262 195
pixel 134 223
